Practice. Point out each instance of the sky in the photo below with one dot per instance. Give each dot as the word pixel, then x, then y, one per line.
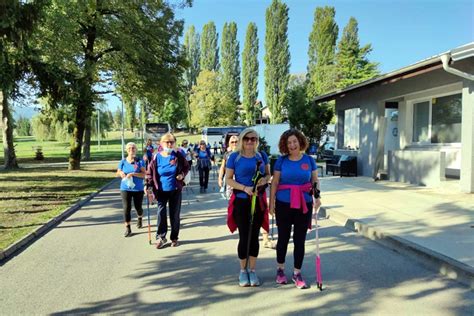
pixel 401 32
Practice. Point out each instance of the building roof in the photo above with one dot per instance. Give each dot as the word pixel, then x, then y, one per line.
pixel 423 66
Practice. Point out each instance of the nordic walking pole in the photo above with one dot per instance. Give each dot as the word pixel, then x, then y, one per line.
pixel 148 193
pixel 257 176
pixel 319 279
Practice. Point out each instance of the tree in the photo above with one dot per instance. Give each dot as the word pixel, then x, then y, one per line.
pixel 130 104
pixel 18 21
pixel 23 126
pixel 134 44
pixel 192 52
pixel 230 67
pixel 352 63
pixel 209 106
pixel 250 73
pixel 117 119
pixel 312 119
pixel 173 112
pixel 277 58
pixel 209 52
pixel 321 52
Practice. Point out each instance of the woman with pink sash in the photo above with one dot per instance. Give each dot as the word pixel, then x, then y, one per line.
pixel 291 201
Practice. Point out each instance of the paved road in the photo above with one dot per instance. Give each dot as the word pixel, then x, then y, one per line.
pixel 85 266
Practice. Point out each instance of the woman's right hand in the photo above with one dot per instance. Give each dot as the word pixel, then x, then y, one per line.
pixel 271 209
pixel 249 191
pixel 122 174
pixel 219 182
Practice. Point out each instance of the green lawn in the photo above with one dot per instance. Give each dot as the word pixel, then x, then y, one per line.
pixel 30 197
pixel 110 148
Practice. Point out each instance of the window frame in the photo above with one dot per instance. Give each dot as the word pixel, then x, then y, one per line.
pixel 429 99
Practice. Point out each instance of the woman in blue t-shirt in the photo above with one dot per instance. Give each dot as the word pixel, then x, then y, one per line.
pixel 291 201
pixel 132 171
pixel 165 177
pixel 240 169
pixel 204 164
pixel 149 149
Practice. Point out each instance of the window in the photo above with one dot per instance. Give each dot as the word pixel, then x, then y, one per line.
pixel 446 119
pixel 421 122
pixel 351 128
pixel 438 121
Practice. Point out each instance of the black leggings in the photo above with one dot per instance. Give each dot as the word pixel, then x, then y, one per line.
pixel 285 218
pixel 127 203
pixel 203 177
pixel 241 216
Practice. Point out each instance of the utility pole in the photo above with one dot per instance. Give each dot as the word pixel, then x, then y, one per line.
pixel 98 128
pixel 123 135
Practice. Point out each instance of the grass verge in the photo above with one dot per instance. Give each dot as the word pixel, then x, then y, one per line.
pixel 53 151
pixel 29 198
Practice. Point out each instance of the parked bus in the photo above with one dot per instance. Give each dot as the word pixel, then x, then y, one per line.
pixel 156 130
pixel 217 134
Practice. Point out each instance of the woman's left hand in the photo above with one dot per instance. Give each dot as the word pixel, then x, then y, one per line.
pixel 180 177
pixel 317 203
pixel 262 181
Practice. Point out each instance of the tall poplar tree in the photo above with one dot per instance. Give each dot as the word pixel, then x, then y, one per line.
pixel 193 54
pixel 353 65
pixel 277 59
pixel 250 73
pixel 321 52
pixel 230 67
pixel 209 49
pixel 192 51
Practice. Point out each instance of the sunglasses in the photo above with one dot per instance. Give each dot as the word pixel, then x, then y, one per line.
pixel 169 142
pixel 234 142
pixel 252 139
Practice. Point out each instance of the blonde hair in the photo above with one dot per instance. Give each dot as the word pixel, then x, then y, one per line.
pixel 131 144
pixel 233 137
pixel 240 144
pixel 167 136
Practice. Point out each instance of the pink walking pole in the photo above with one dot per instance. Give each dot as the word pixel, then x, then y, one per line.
pixel 319 279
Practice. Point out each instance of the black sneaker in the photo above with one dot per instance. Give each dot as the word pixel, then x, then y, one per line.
pixel 128 231
pixel 139 223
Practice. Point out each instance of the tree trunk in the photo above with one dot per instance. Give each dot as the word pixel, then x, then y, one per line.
pixel 87 140
pixel 78 136
pixel 7 131
pixel 85 100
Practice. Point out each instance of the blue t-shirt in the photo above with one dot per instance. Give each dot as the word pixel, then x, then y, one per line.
pixel 166 167
pixel 149 151
pixel 127 168
pixel 204 159
pixel 244 168
pixel 294 172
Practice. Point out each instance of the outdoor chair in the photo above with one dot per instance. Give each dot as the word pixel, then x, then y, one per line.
pixel 347 165
pixel 331 163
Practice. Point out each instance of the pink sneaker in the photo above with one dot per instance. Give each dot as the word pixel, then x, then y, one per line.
pixel 281 277
pixel 299 282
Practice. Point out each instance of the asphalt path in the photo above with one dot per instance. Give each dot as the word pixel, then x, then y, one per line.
pixel 85 265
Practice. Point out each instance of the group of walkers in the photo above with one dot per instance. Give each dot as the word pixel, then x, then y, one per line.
pixel 245 172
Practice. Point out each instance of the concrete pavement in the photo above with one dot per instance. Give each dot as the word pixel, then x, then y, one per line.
pixel 434 225
pixel 84 265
